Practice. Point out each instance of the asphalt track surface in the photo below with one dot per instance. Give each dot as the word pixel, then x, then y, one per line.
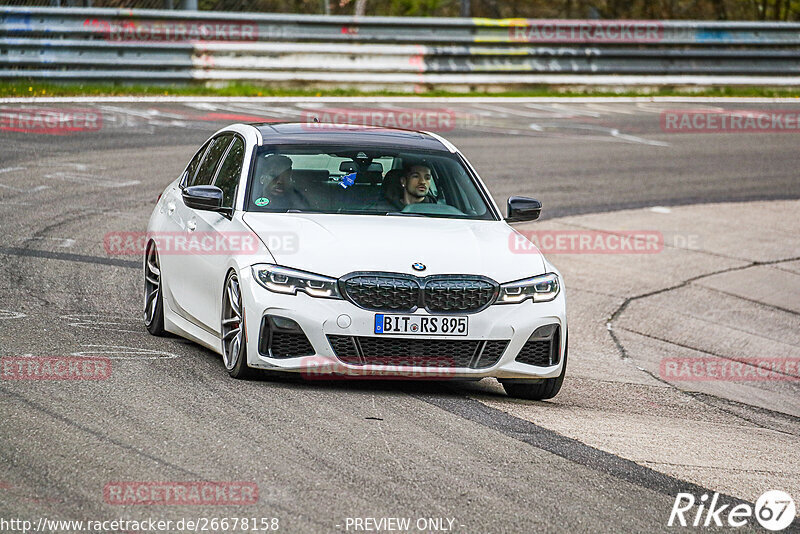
pixel 319 452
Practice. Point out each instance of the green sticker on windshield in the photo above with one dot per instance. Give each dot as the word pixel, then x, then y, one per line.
pixel 262 201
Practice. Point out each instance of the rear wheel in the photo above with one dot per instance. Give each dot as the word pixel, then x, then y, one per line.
pixel 153 300
pixel 537 389
pixel 234 344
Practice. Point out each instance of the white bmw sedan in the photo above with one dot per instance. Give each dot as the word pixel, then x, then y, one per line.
pixel 352 251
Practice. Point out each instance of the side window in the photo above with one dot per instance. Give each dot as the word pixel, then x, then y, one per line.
pixel 188 175
pixel 205 174
pixel 230 171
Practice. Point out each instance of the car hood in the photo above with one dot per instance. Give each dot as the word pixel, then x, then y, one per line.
pixel 335 244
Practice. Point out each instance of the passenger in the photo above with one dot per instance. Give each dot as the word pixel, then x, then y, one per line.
pixel 277 187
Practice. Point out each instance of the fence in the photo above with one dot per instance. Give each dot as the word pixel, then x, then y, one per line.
pixel 150 46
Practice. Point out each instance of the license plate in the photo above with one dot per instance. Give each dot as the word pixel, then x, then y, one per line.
pixel 432 325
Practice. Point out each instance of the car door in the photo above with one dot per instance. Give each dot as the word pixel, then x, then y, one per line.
pixel 188 256
pixel 172 225
pixel 206 279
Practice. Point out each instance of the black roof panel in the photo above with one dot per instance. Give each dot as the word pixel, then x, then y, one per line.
pixel 303 133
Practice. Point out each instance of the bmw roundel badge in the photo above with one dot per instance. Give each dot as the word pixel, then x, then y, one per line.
pixel 418 266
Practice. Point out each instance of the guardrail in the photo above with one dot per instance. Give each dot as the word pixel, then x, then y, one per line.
pixel 162 46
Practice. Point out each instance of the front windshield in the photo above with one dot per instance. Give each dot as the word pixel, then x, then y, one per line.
pixel 365 181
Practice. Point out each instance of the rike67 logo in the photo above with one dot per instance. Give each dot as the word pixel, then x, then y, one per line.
pixel 774 510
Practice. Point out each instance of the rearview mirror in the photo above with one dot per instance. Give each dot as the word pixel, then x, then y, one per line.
pixel 203 197
pixel 523 209
pixel 350 166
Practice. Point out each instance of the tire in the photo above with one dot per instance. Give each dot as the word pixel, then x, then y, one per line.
pixel 234 343
pixel 537 389
pixel 153 296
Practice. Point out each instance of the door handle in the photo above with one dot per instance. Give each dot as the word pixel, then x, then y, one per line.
pixel 170 208
pixel 191 225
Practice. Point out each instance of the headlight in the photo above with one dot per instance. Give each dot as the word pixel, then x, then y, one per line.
pixel 290 281
pixel 542 288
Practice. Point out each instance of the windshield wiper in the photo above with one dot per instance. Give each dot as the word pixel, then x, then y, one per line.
pixel 406 214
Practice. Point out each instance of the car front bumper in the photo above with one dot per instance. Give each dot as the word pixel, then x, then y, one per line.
pixel 320 318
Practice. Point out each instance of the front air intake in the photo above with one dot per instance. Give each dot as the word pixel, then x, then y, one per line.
pixel 542 348
pixel 282 337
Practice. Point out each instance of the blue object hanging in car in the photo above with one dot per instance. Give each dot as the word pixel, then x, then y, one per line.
pixel 348 180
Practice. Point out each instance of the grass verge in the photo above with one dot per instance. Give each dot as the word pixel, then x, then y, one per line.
pixel 24 89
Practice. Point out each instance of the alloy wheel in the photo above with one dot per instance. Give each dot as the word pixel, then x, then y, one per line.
pixel 232 323
pixel 152 285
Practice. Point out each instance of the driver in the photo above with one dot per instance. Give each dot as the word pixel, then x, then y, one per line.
pixel 416 184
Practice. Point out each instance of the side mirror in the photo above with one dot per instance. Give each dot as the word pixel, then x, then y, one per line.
pixel 523 209
pixel 203 197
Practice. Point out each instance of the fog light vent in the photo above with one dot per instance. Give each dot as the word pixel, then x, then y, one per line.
pixel 543 347
pixel 282 337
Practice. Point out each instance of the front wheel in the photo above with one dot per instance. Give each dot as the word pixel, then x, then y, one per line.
pixel 153 299
pixel 537 389
pixel 234 345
